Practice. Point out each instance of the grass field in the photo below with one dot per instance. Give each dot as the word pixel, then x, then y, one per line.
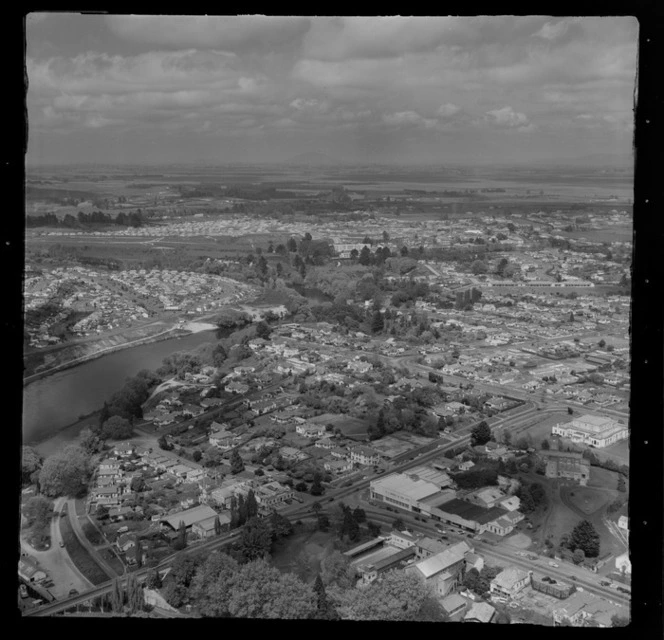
pixel 588 499
pixel 542 429
pixel 80 556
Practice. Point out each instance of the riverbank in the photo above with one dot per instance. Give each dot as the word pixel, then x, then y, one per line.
pixel 175 332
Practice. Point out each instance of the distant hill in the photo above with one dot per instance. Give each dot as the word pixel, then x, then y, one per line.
pixel 595 160
pixel 313 158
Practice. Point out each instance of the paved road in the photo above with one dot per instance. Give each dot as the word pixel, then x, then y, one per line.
pixel 56 562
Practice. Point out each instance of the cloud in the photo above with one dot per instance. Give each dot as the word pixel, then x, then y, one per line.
pixel 409 118
pixel 507 118
pixel 448 110
pixel 224 33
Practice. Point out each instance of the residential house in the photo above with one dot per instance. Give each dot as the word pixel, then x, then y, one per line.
pixel 125 542
pixel 337 466
pixel 311 430
pixel 124 449
pixel 402 539
pixel 427 547
pixel 28 569
pixel 325 443
pixel 192 410
pixel 500 526
pixel 466 465
pixel 272 494
pixel 364 455
pixel 443 571
pixel 473 561
pixel 509 582
pixel 480 612
pixel 454 607
pixel 221 438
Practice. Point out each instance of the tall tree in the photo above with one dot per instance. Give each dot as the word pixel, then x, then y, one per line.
pixel 255 540
pixel 251 505
pixel 237 465
pixel 481 434
pixel 66 473
pixel 585 537
pixel 31 464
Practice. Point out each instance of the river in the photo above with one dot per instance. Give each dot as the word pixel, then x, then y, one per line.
pixel 53 402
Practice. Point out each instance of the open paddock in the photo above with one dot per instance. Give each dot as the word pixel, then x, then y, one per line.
pixel 586 499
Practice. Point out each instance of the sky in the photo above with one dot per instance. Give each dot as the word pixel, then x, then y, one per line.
pixel 188 89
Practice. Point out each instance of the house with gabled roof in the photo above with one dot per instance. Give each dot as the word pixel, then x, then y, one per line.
pixel 443 571
pixel 480 612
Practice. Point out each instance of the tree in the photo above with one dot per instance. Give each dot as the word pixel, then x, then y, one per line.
pixel 217 526
pixel 117 596
pixel 478 267
pixel 263 330
pixel 31 464
pixel 281 526
pixel 359 515
pixel 261 591
pixel 219 355
pixel 324 609
pixel 117 428
pixel 66 473
pixel 579 556
pixel 398 596
pixel 101 512
pixel 90 441
pixel 602 343
pixel 377 321
pixel 212 457
pixel 545 444
pixel 255 540
pixel 398 524
pixel 210 586
pixel 38 510
pixel 404 251
pixel 585 537
pixel 365 256
pixel 481 434
pixel 181 540
pixel 373 528
pixel 336 570
pixel 570 411
pixel 153 580
pixel 317 486
pixel 292 245
pixel 621 484
pixel 237 465
pixel 164 444
pixel 196 455
pixel 502 265
pixel 138 484
pixel 571 316
pixel 251 505
pixel 507 438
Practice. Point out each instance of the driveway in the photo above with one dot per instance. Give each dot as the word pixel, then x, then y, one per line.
pixel 57 563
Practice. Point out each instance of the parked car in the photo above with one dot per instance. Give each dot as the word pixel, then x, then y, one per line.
pixel 552 563
pixel 73 592
pixel 23 591
pixel 623 590
pixel 62 543
pixel 605 583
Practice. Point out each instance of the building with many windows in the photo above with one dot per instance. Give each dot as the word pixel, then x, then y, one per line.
pixel 592 430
